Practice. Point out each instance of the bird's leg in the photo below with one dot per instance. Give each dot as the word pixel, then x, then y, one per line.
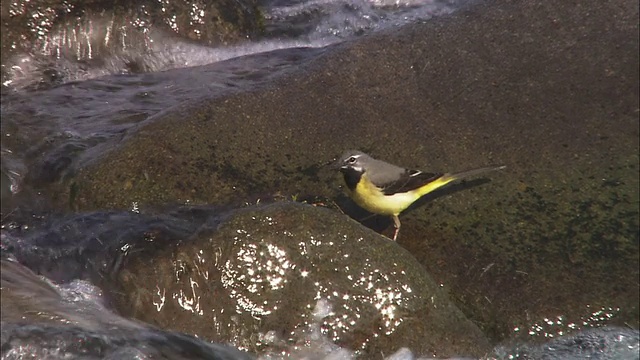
pixel 396 224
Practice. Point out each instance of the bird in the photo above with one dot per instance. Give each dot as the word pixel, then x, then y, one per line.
pixel 386 189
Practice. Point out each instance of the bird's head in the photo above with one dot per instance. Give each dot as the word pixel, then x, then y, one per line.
pixel 352 160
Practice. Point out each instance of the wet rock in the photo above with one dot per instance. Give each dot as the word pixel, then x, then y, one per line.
pixel 255 280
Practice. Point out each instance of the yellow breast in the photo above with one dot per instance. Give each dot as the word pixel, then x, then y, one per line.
pixel 372 199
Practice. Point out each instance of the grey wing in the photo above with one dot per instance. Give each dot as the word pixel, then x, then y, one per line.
pixel 382 173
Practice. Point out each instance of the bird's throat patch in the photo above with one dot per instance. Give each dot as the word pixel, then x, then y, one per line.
pixel 352 177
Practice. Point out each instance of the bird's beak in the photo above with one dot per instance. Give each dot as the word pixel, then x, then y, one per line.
pixel 334 164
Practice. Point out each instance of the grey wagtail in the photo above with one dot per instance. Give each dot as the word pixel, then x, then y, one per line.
pixel 386 189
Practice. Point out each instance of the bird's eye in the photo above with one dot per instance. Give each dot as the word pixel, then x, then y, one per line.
pixel 352 160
